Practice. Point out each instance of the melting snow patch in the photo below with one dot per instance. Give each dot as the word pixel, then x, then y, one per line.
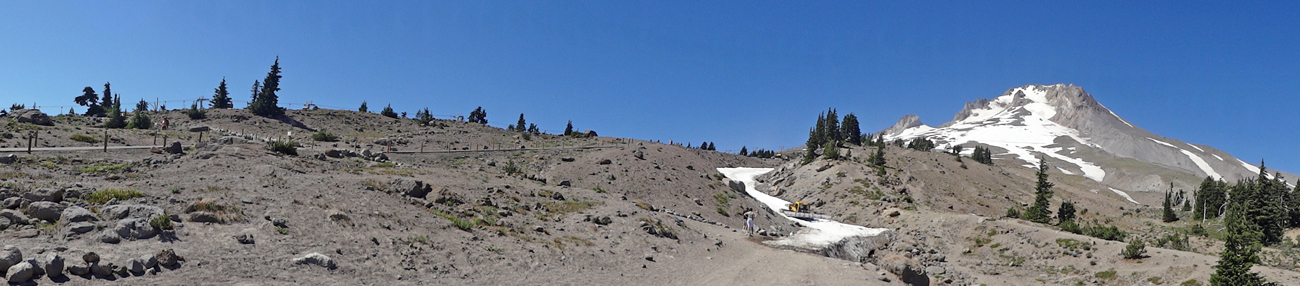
pixel 1216 156
pixel 1202 164
pixel 1162 142
pixel 1125 195
pixel 817 234
pixel 1194 146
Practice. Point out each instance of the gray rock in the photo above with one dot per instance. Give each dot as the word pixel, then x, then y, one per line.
pixel 13 202
pixel 335 153
pixel 21 273
pixel 149 261
pixel 201 128
pixel 135 228
pixel 167 258
pixel 410 187
pixel 934 270
pixel 175 148
pixel 557 196
pixel 109 236
pixel 102 270
pixel 90 257
pixel 604 220
pixel 78 270
pixel 564 183
pixel 244 238
pixel 604 162
pixel 120 270
pixel 9 159
pixel 44 195
pixel 77 214
pixel 202 216
pixel 48 211
pixel 136 266
pixel 33 116
pixel 4 223
pixel 53 264
pixel 10 256
pixel 38 268
pixel 280 222
pixel 15 216
pixel 908 270
pixel 116 212
pixel 317 259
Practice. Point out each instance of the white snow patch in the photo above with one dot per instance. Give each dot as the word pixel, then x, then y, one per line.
pixel 1125 195
pixel 993 126
pixel 1216 156
pixel 1197 148
pixel 816 234
pixel 1064 171
pixel 1162 142
pixel 1121 119
pixel 1252 168
pixel 1202 164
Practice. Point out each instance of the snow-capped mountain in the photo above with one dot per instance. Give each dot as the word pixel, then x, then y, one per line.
pixel 1082 137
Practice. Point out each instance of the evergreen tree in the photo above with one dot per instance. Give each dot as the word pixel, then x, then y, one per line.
pixel 363 108
pixel 832 131
pixel 108 100
pixel 221 96
pixel 423 116
pixel 532 128
pixel 1065 213
pixel 115 119
pixel 1211 197
pixel 520 125
pixel 1039 212
pixel 743 151
pixel 568 128
pixel 1241 246
pixel 388 111
pixel 1168 214
pixel 139 120
pixel 265 101
pixel 831 152
pixel 478 116
pixel 878 158
pixel 849 129
pixel 90 100
pixel 817 136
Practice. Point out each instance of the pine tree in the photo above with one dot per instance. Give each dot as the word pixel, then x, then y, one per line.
pixel 849 129
pixel 743 151
pixel 478 116
pixel 221 96
pixel 878 158
pixel 832 131
pixel 831 152
pixel 423 116
pixel 568 128
pixel 1065 212
pixel 1039 212
pixel 388 111
pixel 1210 198
pixel 1168 214
pixel 138 119
pixel 115 119
pixel 108 96
pixel 520 125
pixel 532 128
pixel 265 101
pixel 1241 246
pixel 90 100
pixel 363 108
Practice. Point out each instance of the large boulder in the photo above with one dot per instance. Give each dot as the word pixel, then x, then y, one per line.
pixel 202 216
pixel 136 228
pixel 109 236
pixel 47 211
pixel 15 216
pixel 44 194
pixel 175 148
pixel 200 128
pixel 10 256
pixel 77 214
pixel 317 259
pixel 53 264
pixel 859 248
pixel 410 187
pixel 9 159
pixel 908 270
pixel 167 258
pixel 33 116
pixel 80 227
pixel 115 212
pixel 21 273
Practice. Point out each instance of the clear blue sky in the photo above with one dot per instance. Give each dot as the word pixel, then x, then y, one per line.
pixel 735 73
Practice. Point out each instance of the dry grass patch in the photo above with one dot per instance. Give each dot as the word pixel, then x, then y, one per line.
pixel 225 212
pixel 104 196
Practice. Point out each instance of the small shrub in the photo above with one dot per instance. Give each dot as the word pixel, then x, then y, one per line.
pixel 1136 249
pixel 284 147
pixel 723 211
pixel 195 113
pixel 1105 232
pixel 324 136
pixel 110 194
pixel 1190 282
pixel 512 169
pixel 1071 226
pixel 162 222
pixel 1108 274
pixel 281 230
pixel 84 138
pixel 1013 212
pixel 49 165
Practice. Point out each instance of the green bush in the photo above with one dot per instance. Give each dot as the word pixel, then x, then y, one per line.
pixel 162 222
pixel 324 136
pixel 284 147
pixel 1013 212
pixel 1071 227
pixel 84 138
pixel 1105 232
pixel 195 113
pixel 1136 249
pixel 104 196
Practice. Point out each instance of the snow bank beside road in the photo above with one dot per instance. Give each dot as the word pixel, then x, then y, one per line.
pixel 816 234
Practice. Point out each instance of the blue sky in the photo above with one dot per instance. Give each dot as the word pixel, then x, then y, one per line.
pixel 735 73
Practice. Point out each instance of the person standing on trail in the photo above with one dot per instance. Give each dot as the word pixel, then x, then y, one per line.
pixel 749 221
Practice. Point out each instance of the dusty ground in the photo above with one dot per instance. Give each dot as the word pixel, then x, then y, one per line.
pixel 501 187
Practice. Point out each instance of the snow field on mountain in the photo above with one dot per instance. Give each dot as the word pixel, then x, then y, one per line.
pixel 816 234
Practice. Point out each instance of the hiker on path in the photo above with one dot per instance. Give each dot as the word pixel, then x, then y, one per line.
pixel 749 221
